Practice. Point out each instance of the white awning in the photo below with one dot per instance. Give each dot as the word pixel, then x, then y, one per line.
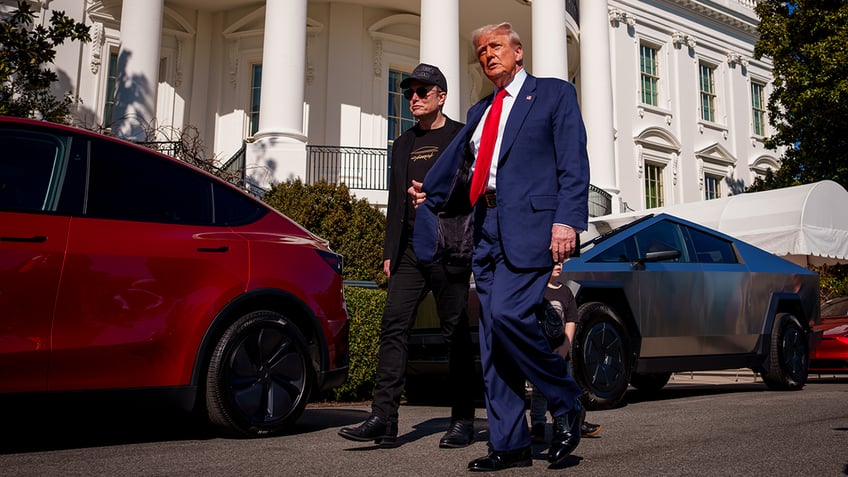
pixel 806 224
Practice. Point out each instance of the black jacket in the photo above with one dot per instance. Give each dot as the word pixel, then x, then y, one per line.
pixel 398 197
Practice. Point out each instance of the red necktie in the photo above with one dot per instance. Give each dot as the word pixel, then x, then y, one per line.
pixel 487 147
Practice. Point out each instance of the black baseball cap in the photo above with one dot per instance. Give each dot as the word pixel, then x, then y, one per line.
pixel 427 74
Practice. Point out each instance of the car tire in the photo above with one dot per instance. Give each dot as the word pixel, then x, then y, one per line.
pixel 789 356
pixel 601 353
pixel 649 382
pixel 260 376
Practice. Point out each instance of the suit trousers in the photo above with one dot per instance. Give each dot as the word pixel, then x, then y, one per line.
pixel 408 286
pixel 512 347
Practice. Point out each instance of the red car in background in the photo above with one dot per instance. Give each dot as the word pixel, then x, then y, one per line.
pixel 831 355
pixel 122 269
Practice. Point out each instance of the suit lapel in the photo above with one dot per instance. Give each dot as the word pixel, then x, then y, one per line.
pixel 520 107
pixel 475 114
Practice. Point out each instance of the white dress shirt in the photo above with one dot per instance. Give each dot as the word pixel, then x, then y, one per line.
pixel 512 90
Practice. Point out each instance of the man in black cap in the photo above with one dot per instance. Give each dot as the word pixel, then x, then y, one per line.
pixel 413 154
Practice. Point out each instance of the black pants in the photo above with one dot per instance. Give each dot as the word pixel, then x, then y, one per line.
pixel 408 286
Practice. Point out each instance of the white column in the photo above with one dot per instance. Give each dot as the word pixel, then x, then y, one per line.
pixel 138 69
pixel 278 151
pixel 439 40
pixel 596 89
pixel 550 57
pixel 283 71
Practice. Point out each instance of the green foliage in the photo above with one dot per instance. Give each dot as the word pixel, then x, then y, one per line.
pixel 353 227
pixel 365 307
pixel 24 51
pixel 833 281
pixel 809 105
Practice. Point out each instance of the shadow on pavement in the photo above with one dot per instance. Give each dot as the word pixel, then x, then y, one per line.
pixel 670 392
pixel 41 423
pixel 44 423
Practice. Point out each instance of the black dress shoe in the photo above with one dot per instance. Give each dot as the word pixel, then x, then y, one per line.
pixel 375 428
pixel 502 460
pixel 566 433
pixel 460 434
pixel 590 430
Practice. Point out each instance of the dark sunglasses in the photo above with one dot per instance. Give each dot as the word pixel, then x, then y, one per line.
pixel 421 91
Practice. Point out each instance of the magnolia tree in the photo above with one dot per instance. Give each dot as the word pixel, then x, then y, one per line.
pixel 26 52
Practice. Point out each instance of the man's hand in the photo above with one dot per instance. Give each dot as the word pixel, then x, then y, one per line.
pixel 563 242
pixel 387 266
pixel 416 194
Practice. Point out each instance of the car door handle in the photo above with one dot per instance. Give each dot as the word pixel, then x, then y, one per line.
pixel 34 239
pixel 221 249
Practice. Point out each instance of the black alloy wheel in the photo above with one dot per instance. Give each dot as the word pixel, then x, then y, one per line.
pixel 789 357
pixel 601 356
pixel 259 377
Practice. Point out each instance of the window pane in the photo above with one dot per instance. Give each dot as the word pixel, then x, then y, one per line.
pixel 255 93
pixel 758 108
pixel 111 83
pixel 649 74
pixel 128 184
pixel 399 116
pixel 711 249
pixel 233 208
pixel 653 186
pixel 712 187
pixel 707 88
pixel 29 164
pixel 661 237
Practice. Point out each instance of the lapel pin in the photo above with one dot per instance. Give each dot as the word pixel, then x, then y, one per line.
pixel 529 97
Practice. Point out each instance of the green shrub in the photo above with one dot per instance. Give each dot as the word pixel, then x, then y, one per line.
pixel 365 307
pixel 354 228
pixel 833 281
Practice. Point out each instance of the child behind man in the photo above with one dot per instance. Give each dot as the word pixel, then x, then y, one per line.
pixel 558 300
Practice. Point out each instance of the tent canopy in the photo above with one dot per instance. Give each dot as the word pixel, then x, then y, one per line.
pixel 805 224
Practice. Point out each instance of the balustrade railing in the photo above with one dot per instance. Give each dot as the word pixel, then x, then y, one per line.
pixel 356 167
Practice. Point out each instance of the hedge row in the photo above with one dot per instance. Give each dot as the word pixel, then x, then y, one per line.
pixel 365 307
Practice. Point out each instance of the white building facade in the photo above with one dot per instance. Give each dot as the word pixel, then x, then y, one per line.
pixel 673 100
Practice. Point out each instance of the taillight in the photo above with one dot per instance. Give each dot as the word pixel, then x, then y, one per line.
pixel 334 260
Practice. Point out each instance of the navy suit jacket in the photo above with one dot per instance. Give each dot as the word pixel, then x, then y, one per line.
pixel 542 175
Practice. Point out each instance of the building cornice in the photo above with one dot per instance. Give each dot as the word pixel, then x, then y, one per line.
pixel 739 14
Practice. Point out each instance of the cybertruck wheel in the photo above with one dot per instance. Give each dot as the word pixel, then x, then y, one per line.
pixel 601 356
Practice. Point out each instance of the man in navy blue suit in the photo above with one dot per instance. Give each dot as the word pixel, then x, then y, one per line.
pixel 533 203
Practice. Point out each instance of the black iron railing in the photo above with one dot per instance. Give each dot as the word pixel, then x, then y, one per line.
pixel 356 167
pixel 169 148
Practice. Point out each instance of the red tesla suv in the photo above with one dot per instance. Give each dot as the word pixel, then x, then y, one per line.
pixel 124 269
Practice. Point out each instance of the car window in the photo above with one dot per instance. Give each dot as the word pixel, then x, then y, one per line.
pixel 624 251
pixel 660 237
pixel 233 208
pixel 711 249
pixel 30 167
pixel 128 184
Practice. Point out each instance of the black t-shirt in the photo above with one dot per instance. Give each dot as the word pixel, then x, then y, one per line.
pixel 560 302
pixel 426 148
